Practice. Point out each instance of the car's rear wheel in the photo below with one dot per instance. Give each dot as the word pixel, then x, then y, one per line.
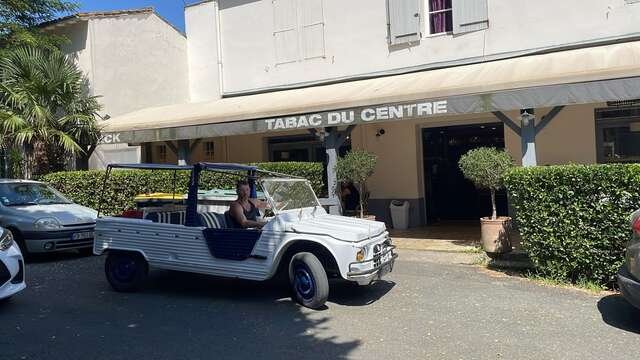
pixel 125 270
pixel 308 279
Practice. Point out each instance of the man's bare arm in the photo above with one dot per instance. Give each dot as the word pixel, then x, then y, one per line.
pixel 238 214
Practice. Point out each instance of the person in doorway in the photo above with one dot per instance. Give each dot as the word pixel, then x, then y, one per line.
pixel 350 197
pixel 244 211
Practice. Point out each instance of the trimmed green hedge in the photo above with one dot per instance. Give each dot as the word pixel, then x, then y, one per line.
pixel 574 219
pixel 85 187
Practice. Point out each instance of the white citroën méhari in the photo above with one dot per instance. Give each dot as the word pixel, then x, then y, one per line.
pixel 300 237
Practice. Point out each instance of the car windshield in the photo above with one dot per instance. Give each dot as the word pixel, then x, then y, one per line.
pixel 17 194
pixel 289 194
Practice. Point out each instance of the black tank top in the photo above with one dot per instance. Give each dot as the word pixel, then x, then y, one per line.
pixel 251 214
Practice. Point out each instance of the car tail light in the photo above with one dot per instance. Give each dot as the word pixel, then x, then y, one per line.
pixel 636 225
pixel 134 214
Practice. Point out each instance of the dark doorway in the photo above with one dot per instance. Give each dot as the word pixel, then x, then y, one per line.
pixel 449 195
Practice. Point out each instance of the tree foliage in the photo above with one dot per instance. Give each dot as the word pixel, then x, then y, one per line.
pixel 357 166
pixel 45 109
pixel 20 20
pixel 485 168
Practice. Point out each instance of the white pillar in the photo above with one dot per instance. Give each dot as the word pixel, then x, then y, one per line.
pixel 528 138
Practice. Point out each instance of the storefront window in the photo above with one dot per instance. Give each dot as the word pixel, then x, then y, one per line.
pixel 209 150
pixel 618 135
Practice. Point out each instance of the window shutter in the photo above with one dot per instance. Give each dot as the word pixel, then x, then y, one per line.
pixel 285 32
pixel 313 29
pixel 470 15
pixel 404 21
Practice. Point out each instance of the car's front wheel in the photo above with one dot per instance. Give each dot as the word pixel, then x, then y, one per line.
pixel 308 280
pixel 125 270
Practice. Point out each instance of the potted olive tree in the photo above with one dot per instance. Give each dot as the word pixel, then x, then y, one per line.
pixel 485 168
pixel 357 166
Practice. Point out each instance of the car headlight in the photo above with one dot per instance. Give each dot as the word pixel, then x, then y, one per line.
pixel 6 240
pixel 47 224
pixel 361 254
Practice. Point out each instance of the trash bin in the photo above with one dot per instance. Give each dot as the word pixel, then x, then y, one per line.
pixel 399 214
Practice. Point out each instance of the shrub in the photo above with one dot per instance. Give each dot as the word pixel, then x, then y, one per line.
pixel 485 168
pixel 574 219
pixel 357 166
pixel 86 187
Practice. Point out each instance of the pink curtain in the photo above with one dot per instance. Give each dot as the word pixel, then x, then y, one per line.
pixel 440 22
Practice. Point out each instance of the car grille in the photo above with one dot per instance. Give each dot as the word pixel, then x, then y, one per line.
pixel 71 244
pixel 5 275
pixel 377 255
pixel 91 224
pixel 20 275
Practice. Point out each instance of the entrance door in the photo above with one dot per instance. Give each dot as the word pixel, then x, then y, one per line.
pixel 449 195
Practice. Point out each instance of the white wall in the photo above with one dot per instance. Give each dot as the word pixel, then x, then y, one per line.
pixel 132 62
pixel 138 61
pixel 78 47
pixel 202 44
pixel 356 38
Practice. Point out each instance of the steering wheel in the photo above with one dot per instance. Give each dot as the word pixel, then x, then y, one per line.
pixel 284 205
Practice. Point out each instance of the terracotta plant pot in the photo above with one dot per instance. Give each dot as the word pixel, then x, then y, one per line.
pixel 496 238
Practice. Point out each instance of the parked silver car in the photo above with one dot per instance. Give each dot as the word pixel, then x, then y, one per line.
pixel 43 220
pixel 629 273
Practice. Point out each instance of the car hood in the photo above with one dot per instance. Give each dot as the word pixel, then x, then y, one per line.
pixel 339 227
pixel 66 214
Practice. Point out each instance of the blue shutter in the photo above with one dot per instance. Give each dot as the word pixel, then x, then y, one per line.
pixel 470 15
pixel 404 21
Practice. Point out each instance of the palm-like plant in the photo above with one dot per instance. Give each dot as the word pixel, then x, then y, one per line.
pixel 45 108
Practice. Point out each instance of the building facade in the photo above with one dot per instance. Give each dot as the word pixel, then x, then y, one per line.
pixel 132 59
pixel 417 82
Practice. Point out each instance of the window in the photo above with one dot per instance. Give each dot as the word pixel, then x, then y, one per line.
pixel 618 135
pixel 162 152
pixel 440 16
pixel 298 30
pixel 305 148
pixel 209 150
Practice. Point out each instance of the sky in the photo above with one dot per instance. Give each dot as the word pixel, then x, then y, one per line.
pixel 172 10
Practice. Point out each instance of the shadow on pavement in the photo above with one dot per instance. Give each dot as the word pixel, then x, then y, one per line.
pixel 195 285
pixel 617 312
pixel 54 257
pixel 175 316
pixel 350 294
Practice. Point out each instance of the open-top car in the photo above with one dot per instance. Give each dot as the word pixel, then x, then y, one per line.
pixel 299 238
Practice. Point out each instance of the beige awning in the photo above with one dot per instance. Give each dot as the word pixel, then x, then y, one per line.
pixel 583 75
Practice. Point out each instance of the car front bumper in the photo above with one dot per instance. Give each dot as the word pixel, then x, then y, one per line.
pixel 630 286
pixel 11 272
pixel 367 271
pixel 50 241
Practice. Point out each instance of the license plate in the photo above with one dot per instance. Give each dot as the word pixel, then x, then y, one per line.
pixel 82 235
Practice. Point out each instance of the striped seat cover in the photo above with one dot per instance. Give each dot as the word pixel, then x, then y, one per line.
pixel 213 220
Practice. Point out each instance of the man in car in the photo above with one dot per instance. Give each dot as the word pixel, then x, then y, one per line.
pixel 244 210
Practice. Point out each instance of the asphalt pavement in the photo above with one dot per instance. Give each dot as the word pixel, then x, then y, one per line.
pixel 433 306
